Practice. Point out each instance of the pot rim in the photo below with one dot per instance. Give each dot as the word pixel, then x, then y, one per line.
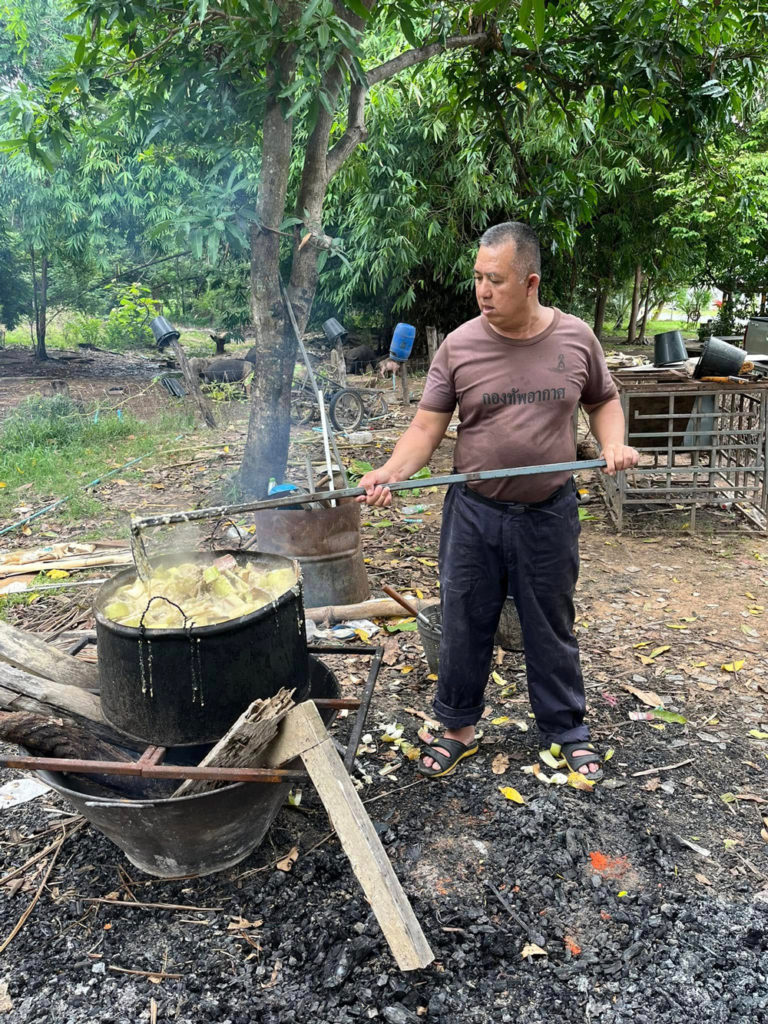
pixel 147 633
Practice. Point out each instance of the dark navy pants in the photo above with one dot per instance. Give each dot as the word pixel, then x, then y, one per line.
pixel 489 549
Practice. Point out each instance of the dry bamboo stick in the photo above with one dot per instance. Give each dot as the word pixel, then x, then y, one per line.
pixel 376 609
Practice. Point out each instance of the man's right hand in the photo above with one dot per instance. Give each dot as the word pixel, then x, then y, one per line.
pixel 375 493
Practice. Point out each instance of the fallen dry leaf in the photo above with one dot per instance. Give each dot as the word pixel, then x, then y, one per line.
pixel 531 949
pixel 288 861
pixel 500 764
pixel 649 697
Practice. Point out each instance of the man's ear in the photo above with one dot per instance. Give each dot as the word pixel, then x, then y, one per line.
pixel 532 284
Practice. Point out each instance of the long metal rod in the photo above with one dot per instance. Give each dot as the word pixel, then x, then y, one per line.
pixel 359 723
pixel 353 492
pixel 329 437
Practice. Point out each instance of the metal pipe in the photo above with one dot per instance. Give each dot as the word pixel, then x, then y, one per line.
pixel 353 492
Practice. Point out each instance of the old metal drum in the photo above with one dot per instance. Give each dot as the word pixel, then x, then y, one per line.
pixel 327 544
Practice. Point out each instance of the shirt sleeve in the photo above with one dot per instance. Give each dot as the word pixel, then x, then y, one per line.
pixel 600 386
pixel 439 391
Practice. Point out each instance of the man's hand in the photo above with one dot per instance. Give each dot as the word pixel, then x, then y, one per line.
pixel 618 457
pixel 375 494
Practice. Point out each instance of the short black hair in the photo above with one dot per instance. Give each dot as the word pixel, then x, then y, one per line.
pixel 527 248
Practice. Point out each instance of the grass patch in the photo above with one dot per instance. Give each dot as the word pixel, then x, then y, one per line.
pixel 50 449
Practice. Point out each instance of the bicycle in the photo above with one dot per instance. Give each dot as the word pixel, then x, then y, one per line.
pixel 348 408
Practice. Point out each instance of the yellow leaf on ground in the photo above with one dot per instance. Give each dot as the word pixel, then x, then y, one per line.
pixel 659 650
pixel 432 677
pixel 732 666
pixel 500 721
pixel 577 781
pixel 57 574
pixel 511 794
pixel 533 950
pixel 406 669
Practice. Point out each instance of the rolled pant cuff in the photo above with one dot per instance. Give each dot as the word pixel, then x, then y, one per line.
pixel 457 718
pixel 578 735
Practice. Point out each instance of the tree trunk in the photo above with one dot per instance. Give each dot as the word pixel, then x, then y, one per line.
pixel 600 304
pixel 631 332
pixel 266 447
pixel 39 304
pixel 42 306
pixel 646 308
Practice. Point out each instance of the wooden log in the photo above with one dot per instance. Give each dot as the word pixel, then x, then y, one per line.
pixel 193 384
pixel 405 395
pixel 377 609
pixel 241 745
pixel 31 654
pixel 20 691
pixel 302 734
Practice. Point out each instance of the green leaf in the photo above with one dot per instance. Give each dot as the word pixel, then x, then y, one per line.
pixel 79 51
pixel 358 8
pixel 525 12
pixel 668 716
pixel 408 31
pixel 539 16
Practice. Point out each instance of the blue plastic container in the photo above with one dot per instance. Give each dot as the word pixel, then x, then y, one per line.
pixel 402 342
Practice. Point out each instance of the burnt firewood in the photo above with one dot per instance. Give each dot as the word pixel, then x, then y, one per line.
pixel 43 736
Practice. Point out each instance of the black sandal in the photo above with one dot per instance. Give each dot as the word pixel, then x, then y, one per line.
pixel 577 762
pixel 445 762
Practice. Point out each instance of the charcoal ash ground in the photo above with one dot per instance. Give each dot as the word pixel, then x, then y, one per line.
pixel 669 949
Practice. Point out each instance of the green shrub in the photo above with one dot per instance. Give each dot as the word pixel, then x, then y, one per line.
pixel 83 330
pixel 127 325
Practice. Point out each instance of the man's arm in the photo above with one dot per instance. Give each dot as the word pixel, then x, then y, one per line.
pixel 607 424
pixel 412 451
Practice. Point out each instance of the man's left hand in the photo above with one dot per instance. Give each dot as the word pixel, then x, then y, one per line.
pixel 618 457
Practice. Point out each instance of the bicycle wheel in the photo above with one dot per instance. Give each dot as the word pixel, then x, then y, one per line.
pixel 376 406
pixel 304 410
pixel 347 410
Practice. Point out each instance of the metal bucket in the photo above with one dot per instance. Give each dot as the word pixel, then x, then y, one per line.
pixel 193 835
pixel 327 544
pixel 509 634
pixel 176 687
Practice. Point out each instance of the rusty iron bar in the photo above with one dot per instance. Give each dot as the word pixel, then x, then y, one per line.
pixel 153 771
pixel 337 703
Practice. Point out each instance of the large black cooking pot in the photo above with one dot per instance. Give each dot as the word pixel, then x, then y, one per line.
pixel 177 687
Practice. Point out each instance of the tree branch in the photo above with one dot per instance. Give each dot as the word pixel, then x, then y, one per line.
pixel 356 131
pixel 422 53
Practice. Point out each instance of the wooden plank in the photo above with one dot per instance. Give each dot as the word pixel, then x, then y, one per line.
pixel 243 742
pixel 302 733
pixel 31 654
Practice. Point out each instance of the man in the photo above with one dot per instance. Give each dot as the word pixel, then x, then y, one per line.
pixel 517 372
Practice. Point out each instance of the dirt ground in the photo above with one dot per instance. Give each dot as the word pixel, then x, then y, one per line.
pixel 645 900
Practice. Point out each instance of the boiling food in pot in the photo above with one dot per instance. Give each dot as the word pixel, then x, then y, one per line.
pixel 225 589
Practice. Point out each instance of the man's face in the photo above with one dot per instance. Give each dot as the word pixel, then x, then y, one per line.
pixel 501 294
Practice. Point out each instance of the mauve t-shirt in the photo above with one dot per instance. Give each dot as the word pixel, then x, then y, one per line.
pixel 516 399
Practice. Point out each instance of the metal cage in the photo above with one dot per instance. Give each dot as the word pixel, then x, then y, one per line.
pixel 700 444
